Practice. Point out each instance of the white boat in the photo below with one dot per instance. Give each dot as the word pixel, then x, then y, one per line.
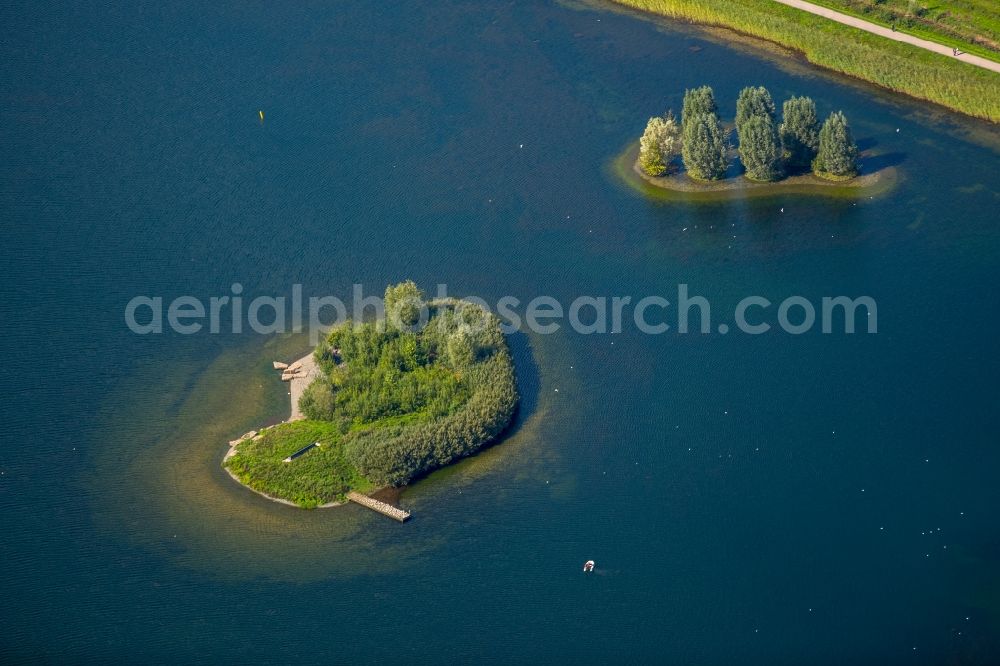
pixel 588 566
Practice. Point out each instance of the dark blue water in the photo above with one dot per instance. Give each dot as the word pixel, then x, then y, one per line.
pixel 748 499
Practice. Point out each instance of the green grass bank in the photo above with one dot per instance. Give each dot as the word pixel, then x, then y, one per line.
pixel 971 25
pixel 893 65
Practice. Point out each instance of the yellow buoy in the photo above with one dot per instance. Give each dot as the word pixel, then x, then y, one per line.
pixel 261 115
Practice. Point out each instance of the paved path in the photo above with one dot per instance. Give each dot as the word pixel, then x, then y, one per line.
pixel 889 34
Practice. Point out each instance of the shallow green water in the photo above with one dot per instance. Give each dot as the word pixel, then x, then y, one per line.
pixel 748 499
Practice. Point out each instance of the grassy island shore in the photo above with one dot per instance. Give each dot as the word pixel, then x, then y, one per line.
pixel 873 181
pixel 391 401
pixel 893 65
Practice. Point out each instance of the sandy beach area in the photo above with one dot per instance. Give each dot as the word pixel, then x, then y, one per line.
pixel 308 372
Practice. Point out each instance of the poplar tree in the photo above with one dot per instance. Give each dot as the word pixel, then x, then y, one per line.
pixel 696 102
pixel 753 102
pixel 705 149
pixel 799 132
pixel 838 154
pixel 760 149
pixel 660 143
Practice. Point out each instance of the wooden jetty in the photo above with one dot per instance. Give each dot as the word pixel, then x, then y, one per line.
pixel 377 505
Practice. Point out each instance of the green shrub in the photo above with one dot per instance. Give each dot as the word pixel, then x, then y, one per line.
pixel 403 304
pixel 394 456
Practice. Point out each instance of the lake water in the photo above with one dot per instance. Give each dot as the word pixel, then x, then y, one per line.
pixel 748 499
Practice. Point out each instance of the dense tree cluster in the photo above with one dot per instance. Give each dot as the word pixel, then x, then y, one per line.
pixel 409 401
pixel 396 453
pixel 768 150
pixel 431 382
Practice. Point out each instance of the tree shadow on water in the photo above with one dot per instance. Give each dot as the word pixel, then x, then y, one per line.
pixel 528 381
pixel 866 144
pixel 870 163
pixel 873 163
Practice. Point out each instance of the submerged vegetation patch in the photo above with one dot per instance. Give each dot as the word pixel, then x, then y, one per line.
pixel 395 399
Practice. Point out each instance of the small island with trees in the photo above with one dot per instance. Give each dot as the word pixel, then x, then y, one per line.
pixel 696 155
pixel 393 399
